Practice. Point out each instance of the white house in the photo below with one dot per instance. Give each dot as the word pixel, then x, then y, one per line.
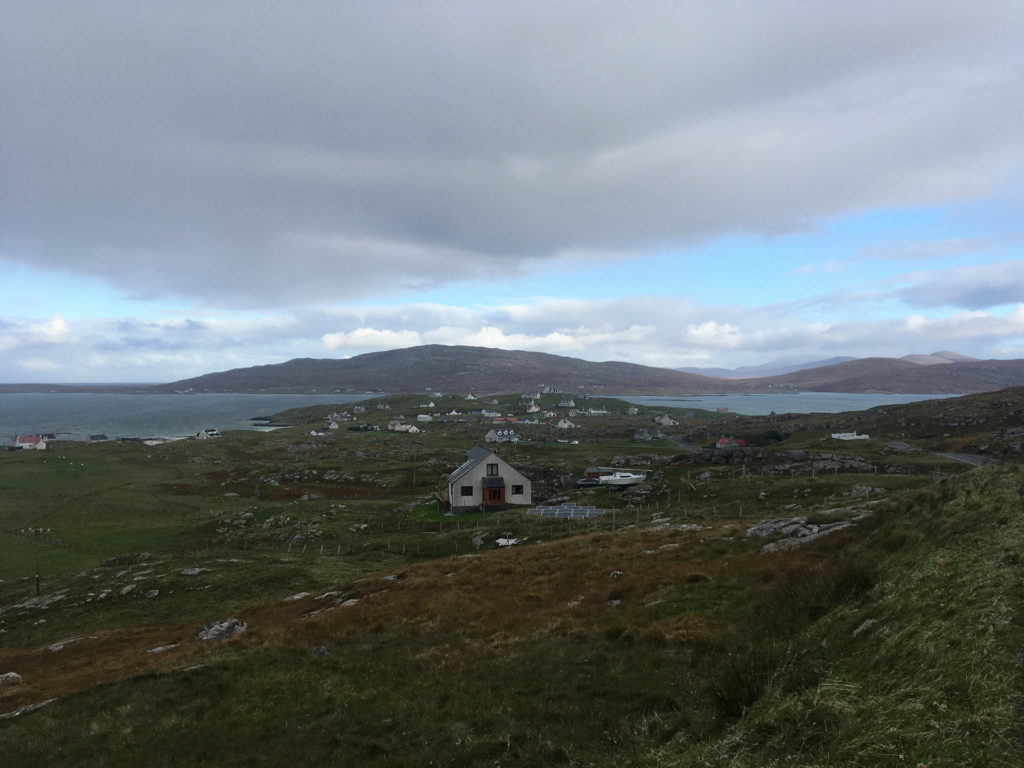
pixel 207 434
pixel 565 424
pixel 501 436
pixel 849 436
pixel 401 426
pixel 666 421
pixel 486 480
pixel 424 417
pixel 30 442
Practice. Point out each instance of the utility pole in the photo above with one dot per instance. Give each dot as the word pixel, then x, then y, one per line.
pixel 35 532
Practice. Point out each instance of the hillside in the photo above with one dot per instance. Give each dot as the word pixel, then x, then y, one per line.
pixel 883 374
pixel 687 627
pixel 450 369
pixel 478 369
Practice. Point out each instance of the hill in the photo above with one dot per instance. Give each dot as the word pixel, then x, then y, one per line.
pixel 884 374
pixel 450 369
pixel 478 369
pixel 774 368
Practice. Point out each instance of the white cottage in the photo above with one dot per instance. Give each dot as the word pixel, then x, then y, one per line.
pixel 486 481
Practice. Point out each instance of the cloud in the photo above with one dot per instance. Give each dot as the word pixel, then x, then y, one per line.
pixel 977 287
pixel 39 365
pixel 372 338
pixel 56 331
pixel 267 156
pixel 649 329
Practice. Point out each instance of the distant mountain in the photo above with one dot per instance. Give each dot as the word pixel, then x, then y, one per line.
pixel 938 358
pixel 774 368
pixel 886 374
pixel 477 369
pixel 449 369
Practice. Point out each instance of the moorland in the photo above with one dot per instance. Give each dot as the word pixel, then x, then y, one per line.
pixel 795 600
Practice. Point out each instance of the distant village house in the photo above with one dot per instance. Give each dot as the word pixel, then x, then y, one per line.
pixel 501 436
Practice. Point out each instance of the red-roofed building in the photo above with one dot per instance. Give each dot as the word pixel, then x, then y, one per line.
pixel 730 442
pixel 30 442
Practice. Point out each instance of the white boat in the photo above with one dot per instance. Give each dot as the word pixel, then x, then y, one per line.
pixel 622 478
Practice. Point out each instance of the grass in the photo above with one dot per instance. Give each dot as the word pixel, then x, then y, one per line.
pixel 891 643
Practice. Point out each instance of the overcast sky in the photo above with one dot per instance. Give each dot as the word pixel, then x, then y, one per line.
pixel 189 187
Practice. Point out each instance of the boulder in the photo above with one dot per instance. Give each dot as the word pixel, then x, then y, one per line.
pixel 219 630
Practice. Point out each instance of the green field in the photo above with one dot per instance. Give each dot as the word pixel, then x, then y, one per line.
pixel 654 636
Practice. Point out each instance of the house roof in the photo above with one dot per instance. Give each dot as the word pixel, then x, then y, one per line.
pixel 494 482
pixel 474 457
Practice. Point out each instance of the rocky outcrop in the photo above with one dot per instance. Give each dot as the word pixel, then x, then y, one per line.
pixel 796 531
pixel 219 630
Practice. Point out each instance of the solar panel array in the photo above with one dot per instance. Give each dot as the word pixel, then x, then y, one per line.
pixel 567 512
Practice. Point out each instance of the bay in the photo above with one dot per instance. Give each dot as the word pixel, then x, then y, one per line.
pixel 799 402
pixel 76 416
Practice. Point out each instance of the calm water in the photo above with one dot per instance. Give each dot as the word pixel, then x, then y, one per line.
pixel 74 416
pixel 801 402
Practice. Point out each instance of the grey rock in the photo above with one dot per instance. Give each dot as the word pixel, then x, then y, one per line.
pixel 864 625
pixel 26 709
pixel 10 678
pixel 220 629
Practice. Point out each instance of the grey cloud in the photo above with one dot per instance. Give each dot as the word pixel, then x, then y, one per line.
pixel 936 249
pixel 253 155
pixel 982 287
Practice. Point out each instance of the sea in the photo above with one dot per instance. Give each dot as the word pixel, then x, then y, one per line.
pixel 77 416
pixel 797 402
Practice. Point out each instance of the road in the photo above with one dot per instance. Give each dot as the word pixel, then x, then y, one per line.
pixel 970 458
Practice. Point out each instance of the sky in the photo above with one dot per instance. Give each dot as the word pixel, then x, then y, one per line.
pixel 191 187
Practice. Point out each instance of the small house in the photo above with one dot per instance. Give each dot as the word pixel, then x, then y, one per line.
pixel 30 442
pixel 486 480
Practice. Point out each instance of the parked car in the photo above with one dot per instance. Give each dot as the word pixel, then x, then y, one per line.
pixel 587 482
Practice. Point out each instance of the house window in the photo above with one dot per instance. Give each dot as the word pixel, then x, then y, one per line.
pixel 492 470
pixel 466 490
pixel 517 490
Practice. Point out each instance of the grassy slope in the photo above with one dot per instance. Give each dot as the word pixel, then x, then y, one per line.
pixel 700 653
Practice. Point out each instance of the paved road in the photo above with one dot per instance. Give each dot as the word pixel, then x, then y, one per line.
pixel 967 458
pixel 970 458
pixel 678 440
pixel 900 446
